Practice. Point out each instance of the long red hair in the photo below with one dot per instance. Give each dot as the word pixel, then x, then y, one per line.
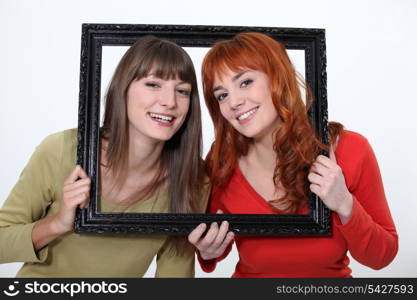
pixel 296 143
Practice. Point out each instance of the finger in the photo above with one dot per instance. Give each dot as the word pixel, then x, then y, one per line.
pixel 82 173
pixel 209 237
pixel 79 191
pixel 315 178
pixel 80 184
pixel 315 189
pixel 85 203
pixel 82 204
pixel 77 200
pixel 76 185
pixel 73 176
pixel 319 169
pixel 219 211
pixel 196 234
pixel 78 172
pixel 224 227
pixel 229 237
pixel 325 161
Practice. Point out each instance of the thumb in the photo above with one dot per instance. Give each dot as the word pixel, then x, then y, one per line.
pixel 219 211
pixel 75 174
pixel 332 156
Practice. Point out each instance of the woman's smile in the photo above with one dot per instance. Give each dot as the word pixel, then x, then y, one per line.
pixel 165 120
pixel 247 116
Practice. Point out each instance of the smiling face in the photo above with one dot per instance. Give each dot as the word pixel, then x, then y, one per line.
pixel 245 102
pixel 156 108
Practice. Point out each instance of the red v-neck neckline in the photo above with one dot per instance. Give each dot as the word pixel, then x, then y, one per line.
pixel 264 203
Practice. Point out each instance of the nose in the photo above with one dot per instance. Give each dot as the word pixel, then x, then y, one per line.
pixel 236 100
pixel 167 98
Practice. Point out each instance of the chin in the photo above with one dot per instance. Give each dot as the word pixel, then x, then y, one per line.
pixel 158 136
pixel 247 132
pixel 162 138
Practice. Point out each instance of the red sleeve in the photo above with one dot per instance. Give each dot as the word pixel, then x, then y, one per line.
pixel 215 203
pixel 370 232
pixel 209 265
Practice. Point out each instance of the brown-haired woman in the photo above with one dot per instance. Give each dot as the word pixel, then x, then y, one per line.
pixel 150 162
pixel 264 160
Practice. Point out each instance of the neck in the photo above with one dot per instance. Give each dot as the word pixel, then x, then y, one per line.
pixel 144 156
pixel 262 154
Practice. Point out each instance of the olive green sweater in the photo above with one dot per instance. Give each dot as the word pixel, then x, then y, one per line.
pixel 38 194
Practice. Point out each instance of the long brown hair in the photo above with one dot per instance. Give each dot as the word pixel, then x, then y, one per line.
pixel 181 166
pixel 296 143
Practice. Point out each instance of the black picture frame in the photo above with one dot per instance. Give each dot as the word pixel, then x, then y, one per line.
pixel 95 36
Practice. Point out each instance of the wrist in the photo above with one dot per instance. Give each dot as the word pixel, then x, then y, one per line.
pixel 204 257
pixel 46 230
pixel 56 227
pixel 345 210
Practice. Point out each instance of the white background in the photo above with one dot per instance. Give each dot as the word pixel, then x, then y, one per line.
pixel 372 82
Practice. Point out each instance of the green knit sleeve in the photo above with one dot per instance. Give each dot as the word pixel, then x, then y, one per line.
pixel 28 202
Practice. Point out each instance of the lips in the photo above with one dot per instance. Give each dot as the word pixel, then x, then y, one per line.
pixel 162 119
pixel 247 115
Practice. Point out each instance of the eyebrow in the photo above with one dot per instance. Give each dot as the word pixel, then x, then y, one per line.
pixel 234 78
pixel 157 77
pixel 182 82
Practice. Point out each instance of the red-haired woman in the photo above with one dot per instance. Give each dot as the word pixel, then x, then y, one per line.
pixel 265 159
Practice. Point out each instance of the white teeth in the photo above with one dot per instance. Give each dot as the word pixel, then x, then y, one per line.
pixel 161 118
pixel 247 114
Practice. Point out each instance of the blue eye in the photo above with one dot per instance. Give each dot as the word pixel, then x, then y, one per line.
pixel 246 82
pixel 221 97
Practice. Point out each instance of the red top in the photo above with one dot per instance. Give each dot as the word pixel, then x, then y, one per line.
pixel 369 235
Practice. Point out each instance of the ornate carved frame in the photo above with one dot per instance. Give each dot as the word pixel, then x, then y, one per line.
pixel 95 36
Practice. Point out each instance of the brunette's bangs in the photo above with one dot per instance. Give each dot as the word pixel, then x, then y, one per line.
pixel 166 61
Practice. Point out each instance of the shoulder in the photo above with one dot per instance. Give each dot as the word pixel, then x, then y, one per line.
pixel 52 158
pixel 352 152
pixel 352 145
pixel 56 144
pixel 56 139
pixel 352 138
